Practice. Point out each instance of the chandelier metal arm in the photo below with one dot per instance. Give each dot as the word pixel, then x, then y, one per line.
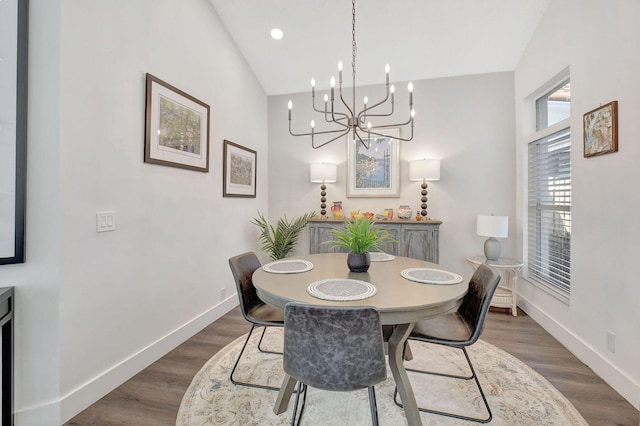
pixel 357 136
pixel 362 117
pixel 314 146
pixel 323 132
pixel 372 131
pixel 345 103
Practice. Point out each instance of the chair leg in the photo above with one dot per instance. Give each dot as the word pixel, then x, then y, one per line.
pixel 252 385
pixel 373 405
pixel 457 416
pixel 300 389
pixel 264 330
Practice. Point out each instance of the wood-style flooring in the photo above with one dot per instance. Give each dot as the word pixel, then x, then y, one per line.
pixel 153 396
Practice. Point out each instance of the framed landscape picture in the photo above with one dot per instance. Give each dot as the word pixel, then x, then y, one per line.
pixel 601 130
pixel 238 171
pixel 177 127
pixel 374 171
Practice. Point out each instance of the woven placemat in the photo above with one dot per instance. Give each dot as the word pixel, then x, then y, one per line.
pixel 289 266
pixel 431 276
pixel 341 289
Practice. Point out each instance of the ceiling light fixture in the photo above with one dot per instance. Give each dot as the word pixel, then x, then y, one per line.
pixel 276 33
pixel 358 123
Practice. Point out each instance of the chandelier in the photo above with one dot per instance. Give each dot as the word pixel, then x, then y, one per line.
pixel 344 118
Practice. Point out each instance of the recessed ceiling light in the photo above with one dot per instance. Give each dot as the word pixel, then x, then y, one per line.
pixel 276 33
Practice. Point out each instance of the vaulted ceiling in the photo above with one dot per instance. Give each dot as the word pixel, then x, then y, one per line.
pixel 418 38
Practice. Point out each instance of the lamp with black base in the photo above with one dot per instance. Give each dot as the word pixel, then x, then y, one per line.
pixel 426 169
pixel 323 173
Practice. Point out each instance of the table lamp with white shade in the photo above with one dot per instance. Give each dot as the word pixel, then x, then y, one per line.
pixel 323 173
pixel 425 169
pixel 492 227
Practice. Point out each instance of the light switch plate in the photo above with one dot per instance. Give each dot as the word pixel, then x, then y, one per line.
pixel 105 221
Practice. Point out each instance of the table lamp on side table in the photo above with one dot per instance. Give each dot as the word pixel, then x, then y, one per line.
pixel 492 227
pixel 323 173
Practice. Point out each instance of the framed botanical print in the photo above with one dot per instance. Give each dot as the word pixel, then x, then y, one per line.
pixel 238 171
pixel 601 130
pixel 177 127
pixel 374 170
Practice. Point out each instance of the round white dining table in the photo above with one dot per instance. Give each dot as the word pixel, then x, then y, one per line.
pixel 401 302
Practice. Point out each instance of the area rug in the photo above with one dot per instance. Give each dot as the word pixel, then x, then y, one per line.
pixel 517 394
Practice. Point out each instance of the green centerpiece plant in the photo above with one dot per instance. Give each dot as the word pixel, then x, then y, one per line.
pixel 360 237
pixel 278 241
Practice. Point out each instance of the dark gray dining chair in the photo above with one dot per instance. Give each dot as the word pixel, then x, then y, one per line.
pixel 461 329
pixel 254 310
pixel 335 349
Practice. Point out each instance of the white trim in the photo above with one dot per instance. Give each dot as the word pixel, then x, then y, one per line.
pixel 80 398
pixel 540 134
pixel 550 290
pixel 601 366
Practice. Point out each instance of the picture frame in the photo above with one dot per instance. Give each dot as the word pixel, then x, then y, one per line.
pixel 176 128
pixel 238 170
pixel 13 136
pixel 600 127
pixel 374 172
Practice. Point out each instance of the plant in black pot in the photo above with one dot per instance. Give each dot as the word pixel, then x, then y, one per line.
pixel 360 237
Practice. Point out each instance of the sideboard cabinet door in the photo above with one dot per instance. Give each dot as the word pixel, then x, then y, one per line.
pixel 420 242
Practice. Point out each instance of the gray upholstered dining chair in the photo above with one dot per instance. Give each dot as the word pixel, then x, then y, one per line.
pixel 254 310
pixel 335 349
pixel 461 329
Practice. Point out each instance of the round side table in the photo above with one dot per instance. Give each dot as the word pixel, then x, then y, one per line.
pixel 506 295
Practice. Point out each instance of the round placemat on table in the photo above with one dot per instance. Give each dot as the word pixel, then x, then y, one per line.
pixel 341 289
pixel 380 256
pixel 289 266
pixel 431 276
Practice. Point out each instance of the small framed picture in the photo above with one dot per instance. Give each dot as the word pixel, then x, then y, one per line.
pixel 238 171
pixel 601 130
pixel 177 127
pixel 373 168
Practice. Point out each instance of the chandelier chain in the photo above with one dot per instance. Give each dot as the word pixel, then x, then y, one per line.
pixel 354 47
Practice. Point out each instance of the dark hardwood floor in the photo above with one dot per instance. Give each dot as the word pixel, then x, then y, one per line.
pixel 153 396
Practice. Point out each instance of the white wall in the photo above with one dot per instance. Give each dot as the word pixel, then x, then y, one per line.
pixel 467 122
pixel 600 42
pixel 93 309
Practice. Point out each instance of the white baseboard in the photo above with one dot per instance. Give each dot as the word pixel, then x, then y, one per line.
pixel 80 398
pixel 612 375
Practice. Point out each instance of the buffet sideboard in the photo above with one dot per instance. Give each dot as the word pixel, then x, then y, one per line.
pixel 415 239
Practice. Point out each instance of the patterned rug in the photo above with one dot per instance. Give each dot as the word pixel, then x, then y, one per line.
pixel 517 395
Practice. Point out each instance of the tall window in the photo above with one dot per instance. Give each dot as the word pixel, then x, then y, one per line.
pixel 549 192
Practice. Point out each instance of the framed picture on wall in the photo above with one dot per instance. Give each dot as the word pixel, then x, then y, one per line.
pixel 238 171
pixel 13 133
pixel 601 130
pixel 374 171
pixel 177 127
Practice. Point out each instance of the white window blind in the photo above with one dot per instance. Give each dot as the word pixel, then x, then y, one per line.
pixel 549 210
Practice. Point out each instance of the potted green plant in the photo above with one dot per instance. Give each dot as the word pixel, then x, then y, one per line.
pixel 278 241
pixel 359 237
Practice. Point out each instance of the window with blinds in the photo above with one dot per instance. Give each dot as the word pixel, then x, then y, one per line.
pixel 549 210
